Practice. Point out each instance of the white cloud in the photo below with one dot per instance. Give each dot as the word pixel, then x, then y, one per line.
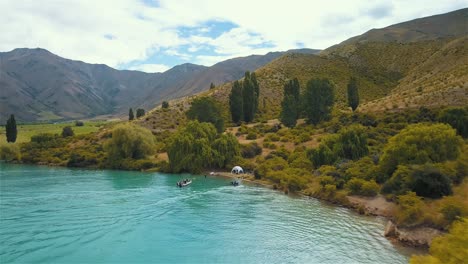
pixel 150 68
pixel 78 29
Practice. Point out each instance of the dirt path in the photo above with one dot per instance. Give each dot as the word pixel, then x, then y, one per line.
pixel 373 205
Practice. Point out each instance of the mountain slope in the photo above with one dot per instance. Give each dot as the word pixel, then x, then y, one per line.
pixel 38 85
pixel 390 74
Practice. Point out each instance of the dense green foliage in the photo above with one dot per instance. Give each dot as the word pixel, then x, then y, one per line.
pixel 250 94
pixel 129 141
pixel 197 146
pixel 318 100
pixel 419 144
pixel 353 94
pixel 243 99
pixel 212 86
pixel 206 109
pixel 457 118
pixel 79 123
pixel 165 105
pixel 236 103
pixel 449 248
pixel 140 112
pixel 290 106
pixel 11 130
pixel 10 152
pixel 130 114
pixel 349 143
pixel 67 132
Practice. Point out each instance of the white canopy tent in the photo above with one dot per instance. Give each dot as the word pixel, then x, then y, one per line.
pixel 237 170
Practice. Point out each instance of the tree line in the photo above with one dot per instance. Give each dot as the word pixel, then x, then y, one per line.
pixel 243 99
pixel 315 103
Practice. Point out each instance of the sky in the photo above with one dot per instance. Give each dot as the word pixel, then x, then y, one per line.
pixel 155 35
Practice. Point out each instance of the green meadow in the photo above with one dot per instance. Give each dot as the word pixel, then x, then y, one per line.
pixel 26 131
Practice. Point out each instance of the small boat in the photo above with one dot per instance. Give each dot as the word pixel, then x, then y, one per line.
pixel 184 183
pixel 236 182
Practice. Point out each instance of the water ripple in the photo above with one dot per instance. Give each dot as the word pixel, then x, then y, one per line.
pixel 59 215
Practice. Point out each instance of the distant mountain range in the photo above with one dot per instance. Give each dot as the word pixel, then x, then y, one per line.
pixel 37 85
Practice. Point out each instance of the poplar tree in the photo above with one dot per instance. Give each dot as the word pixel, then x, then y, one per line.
pixel 353 94
pixel 130 114
pixel 236 103
pixel 11 131
pixel 290 104
pixel 318 100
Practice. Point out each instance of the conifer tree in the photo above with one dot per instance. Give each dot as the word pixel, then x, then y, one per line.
pixel 212 86
pixel 236 103
pixel 353 94
pixel 130 114
pixel 11 130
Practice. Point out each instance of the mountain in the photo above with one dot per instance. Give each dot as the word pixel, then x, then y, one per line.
pixel 393 72
pixel 37 85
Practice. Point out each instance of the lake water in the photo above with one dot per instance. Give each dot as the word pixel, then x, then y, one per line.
pixel 59 215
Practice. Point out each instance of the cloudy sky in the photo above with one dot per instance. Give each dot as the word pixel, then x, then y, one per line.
pixel 154 35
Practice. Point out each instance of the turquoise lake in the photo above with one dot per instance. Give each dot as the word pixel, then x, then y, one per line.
pixel 59 215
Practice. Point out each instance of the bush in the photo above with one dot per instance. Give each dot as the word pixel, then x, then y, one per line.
pixel 449 248
pixel 251 150
pixel 165 105
pixel 410 210
pixel 362 187
pixel 452 208
pixel 428 181
pixel 79 123
pixel 351 143
pixel 251 135
pixel 420 144
pixel 10 152
pixel 457 118
pixel 67 132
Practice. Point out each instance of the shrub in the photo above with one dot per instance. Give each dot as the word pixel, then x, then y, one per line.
pixel 449 248
pixel 251 150
pixel 428 181
pixel 457 118
pixel 67 132
pixel 165 105
pixel 351 143
pixel 9 152
pixel 251 135
pixel 79 123
pixel 420 144
pixel 410 209
pixel 322 155
pixel 452 208
pixel 362 187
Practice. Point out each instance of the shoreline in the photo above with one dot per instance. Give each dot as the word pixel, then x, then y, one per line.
pixel 418 237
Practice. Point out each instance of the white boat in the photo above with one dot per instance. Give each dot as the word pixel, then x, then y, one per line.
pixel 184 183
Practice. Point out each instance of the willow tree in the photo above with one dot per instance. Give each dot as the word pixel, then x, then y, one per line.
pixel 197 146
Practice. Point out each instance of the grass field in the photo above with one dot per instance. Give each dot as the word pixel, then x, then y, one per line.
pixel 25 132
